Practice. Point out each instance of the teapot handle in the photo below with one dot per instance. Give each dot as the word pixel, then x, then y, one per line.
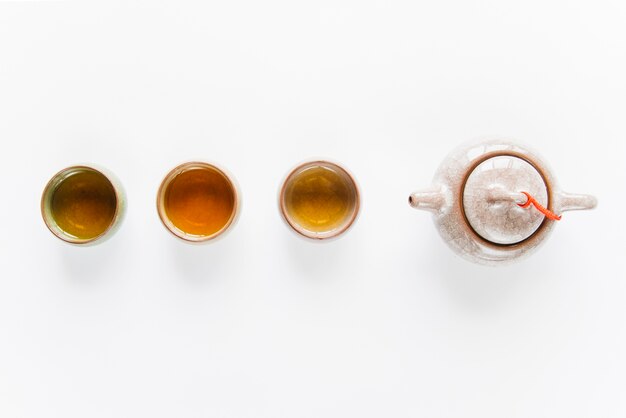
pixel 572 201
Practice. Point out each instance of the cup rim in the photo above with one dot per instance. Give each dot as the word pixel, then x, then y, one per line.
pixel 53 184
pixel 160 201
pixel 328 235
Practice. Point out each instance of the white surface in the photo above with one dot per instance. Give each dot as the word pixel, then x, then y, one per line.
pixel 384 322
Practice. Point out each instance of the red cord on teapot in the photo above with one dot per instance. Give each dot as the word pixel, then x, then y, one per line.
pixel 547 212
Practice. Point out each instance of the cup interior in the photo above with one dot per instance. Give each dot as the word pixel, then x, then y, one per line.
pixel 319 200
pixel 80 204
pixel 197 201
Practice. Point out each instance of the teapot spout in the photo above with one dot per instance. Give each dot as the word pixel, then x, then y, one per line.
pixel 430 200
pixel 571 201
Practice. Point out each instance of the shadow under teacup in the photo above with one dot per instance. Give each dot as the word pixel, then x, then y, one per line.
pixel 319 200
pixel 83 204
pixel 198 202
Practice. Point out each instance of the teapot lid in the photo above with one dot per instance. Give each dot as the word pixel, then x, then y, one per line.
pixel 493 193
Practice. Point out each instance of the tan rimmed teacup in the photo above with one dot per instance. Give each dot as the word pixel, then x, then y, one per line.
pixel 198 202
pixel 83 204
pixel 319 199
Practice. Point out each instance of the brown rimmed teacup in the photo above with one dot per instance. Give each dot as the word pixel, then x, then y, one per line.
pixel 198 202
pixel 83 204
pixel 319 199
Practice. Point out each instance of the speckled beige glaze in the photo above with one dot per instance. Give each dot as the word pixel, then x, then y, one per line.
pixel 474 200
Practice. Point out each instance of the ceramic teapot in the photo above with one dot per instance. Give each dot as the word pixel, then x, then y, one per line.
pixel 496 201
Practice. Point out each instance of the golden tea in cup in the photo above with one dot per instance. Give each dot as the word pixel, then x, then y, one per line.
pixel 197 201
pixel 319 200
pixel 82 204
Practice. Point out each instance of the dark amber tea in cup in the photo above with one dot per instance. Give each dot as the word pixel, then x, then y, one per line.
pixel 80 204
pixel 197 201
pixel 319 200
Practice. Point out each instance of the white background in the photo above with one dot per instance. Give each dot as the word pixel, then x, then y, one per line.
pixel 385 322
